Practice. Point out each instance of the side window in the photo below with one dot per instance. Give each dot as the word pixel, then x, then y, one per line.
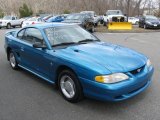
pixel 20 34
pixel 33 35
pixel 13 18
pixel 39 19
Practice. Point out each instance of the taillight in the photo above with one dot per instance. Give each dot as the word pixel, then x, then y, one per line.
pixel 33 22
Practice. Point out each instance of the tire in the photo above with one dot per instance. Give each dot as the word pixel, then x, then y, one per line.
pixel 70 86
pixel 92 29
pixel 21 24
pixel 139 26
pixel 145 27
pixel 9 26
pixel 101 22
pixel 12 60
pixel 137 23
pixel 96 24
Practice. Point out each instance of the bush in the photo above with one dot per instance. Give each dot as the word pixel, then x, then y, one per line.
pixel 1 13
pixel 66 12
pixel 25 11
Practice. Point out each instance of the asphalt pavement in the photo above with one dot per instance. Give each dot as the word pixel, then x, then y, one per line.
pixel 24 96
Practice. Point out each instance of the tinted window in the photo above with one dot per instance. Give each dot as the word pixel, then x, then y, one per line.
pixel 13 18
pixel 39 19
pixel 33 35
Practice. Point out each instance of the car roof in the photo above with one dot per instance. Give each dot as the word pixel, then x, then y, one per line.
pixel 47 25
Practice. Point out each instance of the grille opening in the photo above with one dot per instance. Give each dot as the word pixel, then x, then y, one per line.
pixel 139 70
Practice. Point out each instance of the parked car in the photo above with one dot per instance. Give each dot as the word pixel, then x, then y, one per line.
pixel 57 18
pixel 110 14
pixel 95 17
pixel 78 63
pixel 33 20
pixel 133 20
pixel 47 17
pixel 149 21
pixel 84 20
pixel 10 21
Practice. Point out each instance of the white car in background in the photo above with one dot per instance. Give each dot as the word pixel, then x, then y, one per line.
pixel 110 14
pixel 10 21
pixel 133 20
pixel 33 20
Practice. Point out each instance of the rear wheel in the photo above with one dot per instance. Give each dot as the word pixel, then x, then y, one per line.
pixel 9 26
pixel 12 60
pixel 69 86
pixel 92 29
pixel 96 24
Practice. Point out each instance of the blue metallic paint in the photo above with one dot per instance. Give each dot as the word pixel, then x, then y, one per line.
pixel 87 61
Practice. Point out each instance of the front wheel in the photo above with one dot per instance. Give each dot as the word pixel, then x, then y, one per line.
pixel 145 26
pixel 70 86
pixel 12 60
pixel 92 30
pixel 136 23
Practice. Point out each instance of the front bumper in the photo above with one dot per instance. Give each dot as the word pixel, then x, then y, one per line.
pixel 3 25
pixel 153 26
pixel 118 91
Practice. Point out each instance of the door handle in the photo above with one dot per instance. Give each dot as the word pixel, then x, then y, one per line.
pixel 22 49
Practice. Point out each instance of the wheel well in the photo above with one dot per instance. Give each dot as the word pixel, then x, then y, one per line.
pixel 59 70
pixel 8 51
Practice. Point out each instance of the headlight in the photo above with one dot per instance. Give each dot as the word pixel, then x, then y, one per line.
pixel 113 78
pixel 149 63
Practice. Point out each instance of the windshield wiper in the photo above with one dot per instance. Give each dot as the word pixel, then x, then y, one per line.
pixel 88 40
pixel 63 44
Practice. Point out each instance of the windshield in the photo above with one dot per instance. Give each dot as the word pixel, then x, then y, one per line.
pixel 68 34
pixel 114 12
pixel 52 18
pixel 32 19
pixel 74 17
pixel 91 13
pixel 7 18
pixel 151 18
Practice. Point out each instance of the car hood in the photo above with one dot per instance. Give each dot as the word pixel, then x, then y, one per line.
pixel 5 20
pixel 115 58
pixel 110 16
pixel 153 21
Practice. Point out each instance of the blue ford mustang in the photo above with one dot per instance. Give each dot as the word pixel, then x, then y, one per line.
pixel 78 63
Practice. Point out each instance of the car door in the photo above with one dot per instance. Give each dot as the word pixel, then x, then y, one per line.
pixel 37 60
pixel 13 21
pixel 143 21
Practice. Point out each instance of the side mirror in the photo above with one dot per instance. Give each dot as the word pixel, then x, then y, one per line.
pixel 39 45
pixel 95 15
pixel 105 15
